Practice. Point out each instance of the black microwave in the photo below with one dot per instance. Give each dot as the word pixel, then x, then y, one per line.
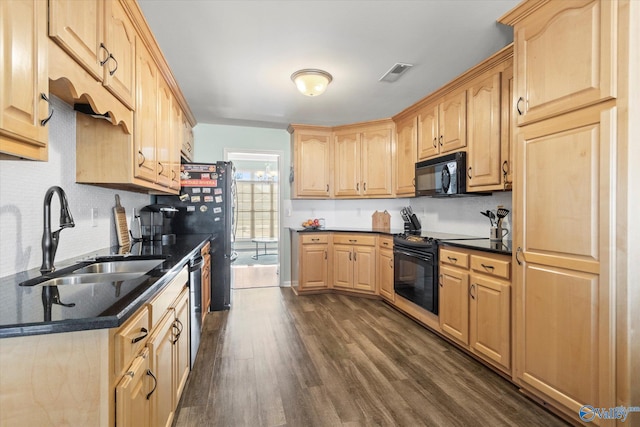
pixel 442 176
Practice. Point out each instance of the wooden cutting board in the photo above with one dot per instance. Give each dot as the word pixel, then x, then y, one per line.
pixel 122 230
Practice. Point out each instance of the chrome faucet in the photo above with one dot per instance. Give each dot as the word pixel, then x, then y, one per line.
pixel 50 239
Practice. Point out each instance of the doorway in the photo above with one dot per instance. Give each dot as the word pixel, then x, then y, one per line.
pixel 256 218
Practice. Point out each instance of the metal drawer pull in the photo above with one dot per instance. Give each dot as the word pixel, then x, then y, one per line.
pixel 364 186
pixel 141 337
pixel 315 239
pixel 487 267
pixel 452 259
pixel 435 142
pixel 112 72
pixel 391 263
pixel 441 137
pixel 472 288
pixel 104 61
pixel 161 168
pixel 469 172
pixel 357 186
pixel 144 159
pixel 353 240
pixel 155 383
pixel 349 256
pixel 440 281
pixel 46 119
pixel 325 254
pixel 354 256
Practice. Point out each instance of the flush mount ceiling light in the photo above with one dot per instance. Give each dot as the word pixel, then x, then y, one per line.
pixel 311 82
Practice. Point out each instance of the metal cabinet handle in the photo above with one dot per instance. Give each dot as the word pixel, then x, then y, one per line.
pixel 413 182
pixel 141 337
pixel 440 281
pixel 155 383
pixel 173 175
pixel 441 138
pixel 112 72
pixel 46 119
pixel 469 172
pixel 472 288
pixel 161 168
pixel 327 188
pixel 435 142
pixel 487 267
pixel 364 186
pixel 452 259
pixel 517 253
pixel 353 240
pixel 144 159
pixel 357 186
pixel 106 58
pixel 349 256
pixel 391 263
pixel 354 256
pixel 520 112
pixel 315 239
pixel 325 254
pixel 505 171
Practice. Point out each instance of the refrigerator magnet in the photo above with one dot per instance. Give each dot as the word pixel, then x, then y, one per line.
pixel 191 208
pixel 195 199
pixel 217 210
pixel 203 208
pixel 217 191
pixel 218 199
pixel 208 199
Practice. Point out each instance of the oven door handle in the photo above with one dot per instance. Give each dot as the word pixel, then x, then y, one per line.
pixel 412 255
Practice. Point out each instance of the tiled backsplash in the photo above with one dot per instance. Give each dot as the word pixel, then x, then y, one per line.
pixel 22 188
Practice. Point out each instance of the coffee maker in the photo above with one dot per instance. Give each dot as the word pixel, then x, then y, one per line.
pixel 156 223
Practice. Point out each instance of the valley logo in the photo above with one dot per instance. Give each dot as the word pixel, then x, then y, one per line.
pixel 589 413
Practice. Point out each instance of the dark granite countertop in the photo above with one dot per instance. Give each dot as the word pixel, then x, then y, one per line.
pixel 97 306
pixel 390 232
pixel 504 247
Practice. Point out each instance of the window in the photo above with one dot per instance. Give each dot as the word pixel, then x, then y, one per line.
pixel 257 208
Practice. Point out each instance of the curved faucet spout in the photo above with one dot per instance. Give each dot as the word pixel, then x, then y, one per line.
pixel 50 239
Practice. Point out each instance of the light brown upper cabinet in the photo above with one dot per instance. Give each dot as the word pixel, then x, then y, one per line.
pixel 146 115
pixel 362 161
pixel 442 126
pixel 312 172
pixel 582 69
pixel 24 88
pixel 489 131
pixel 100 37
pixel 405 156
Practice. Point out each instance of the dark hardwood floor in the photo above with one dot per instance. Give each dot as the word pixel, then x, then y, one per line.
pixel 276 359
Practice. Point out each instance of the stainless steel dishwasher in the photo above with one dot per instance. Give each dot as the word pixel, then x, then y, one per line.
pixel 195 304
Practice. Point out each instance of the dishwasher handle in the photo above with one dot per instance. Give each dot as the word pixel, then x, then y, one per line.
pixel 195 263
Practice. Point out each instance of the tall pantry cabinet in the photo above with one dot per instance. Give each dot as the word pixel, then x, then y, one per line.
pixel 565 200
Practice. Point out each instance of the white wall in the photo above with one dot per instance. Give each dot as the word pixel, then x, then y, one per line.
pixel 22 187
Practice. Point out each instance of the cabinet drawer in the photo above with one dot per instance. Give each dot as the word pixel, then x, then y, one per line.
pixel 315 238
pixel 385 242
pixel 355 239
pixel 130 338
pixel 459 259
pixel 206 248
pixel 161 302
pixel 488 265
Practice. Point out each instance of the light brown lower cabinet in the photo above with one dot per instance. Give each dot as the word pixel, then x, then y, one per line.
pixel 354 262
pixel 475 303
pixel 385 268
pixel 132 403
pixel 314 261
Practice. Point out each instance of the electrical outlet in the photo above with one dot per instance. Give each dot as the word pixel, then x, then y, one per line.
pixel 94 217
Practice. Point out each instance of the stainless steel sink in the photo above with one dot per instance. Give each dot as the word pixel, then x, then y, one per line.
pixel 133 266
pixel 75 279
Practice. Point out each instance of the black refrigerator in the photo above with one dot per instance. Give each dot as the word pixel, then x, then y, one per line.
pixel 206 204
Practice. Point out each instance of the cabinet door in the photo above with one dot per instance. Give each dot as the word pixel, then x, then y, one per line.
pixel 146 114
pixel 576 71
pixel 484 124
pixel 181 345
pixel 78 27
pixel 119 72
pixel 162 362
pixel 312 169
pixel 385 269
pixel 507 111
pixel 314 266
pixel 428 145
pixel 454 303
pixel 452 122
pixel 405 157
pixel 563 285
pixel 376 163
pixel 343 266
pixel 206 285
pixel 364 268
pixel 23 46
pixel 187 140
pixel 490 311
pixel 347 165
pixel 132 405
pixel 163 135
pixel 176 143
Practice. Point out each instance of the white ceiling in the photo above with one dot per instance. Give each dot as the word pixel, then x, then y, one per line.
pixel 233 59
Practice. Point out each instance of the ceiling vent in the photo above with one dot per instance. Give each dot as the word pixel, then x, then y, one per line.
pixel 395 72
